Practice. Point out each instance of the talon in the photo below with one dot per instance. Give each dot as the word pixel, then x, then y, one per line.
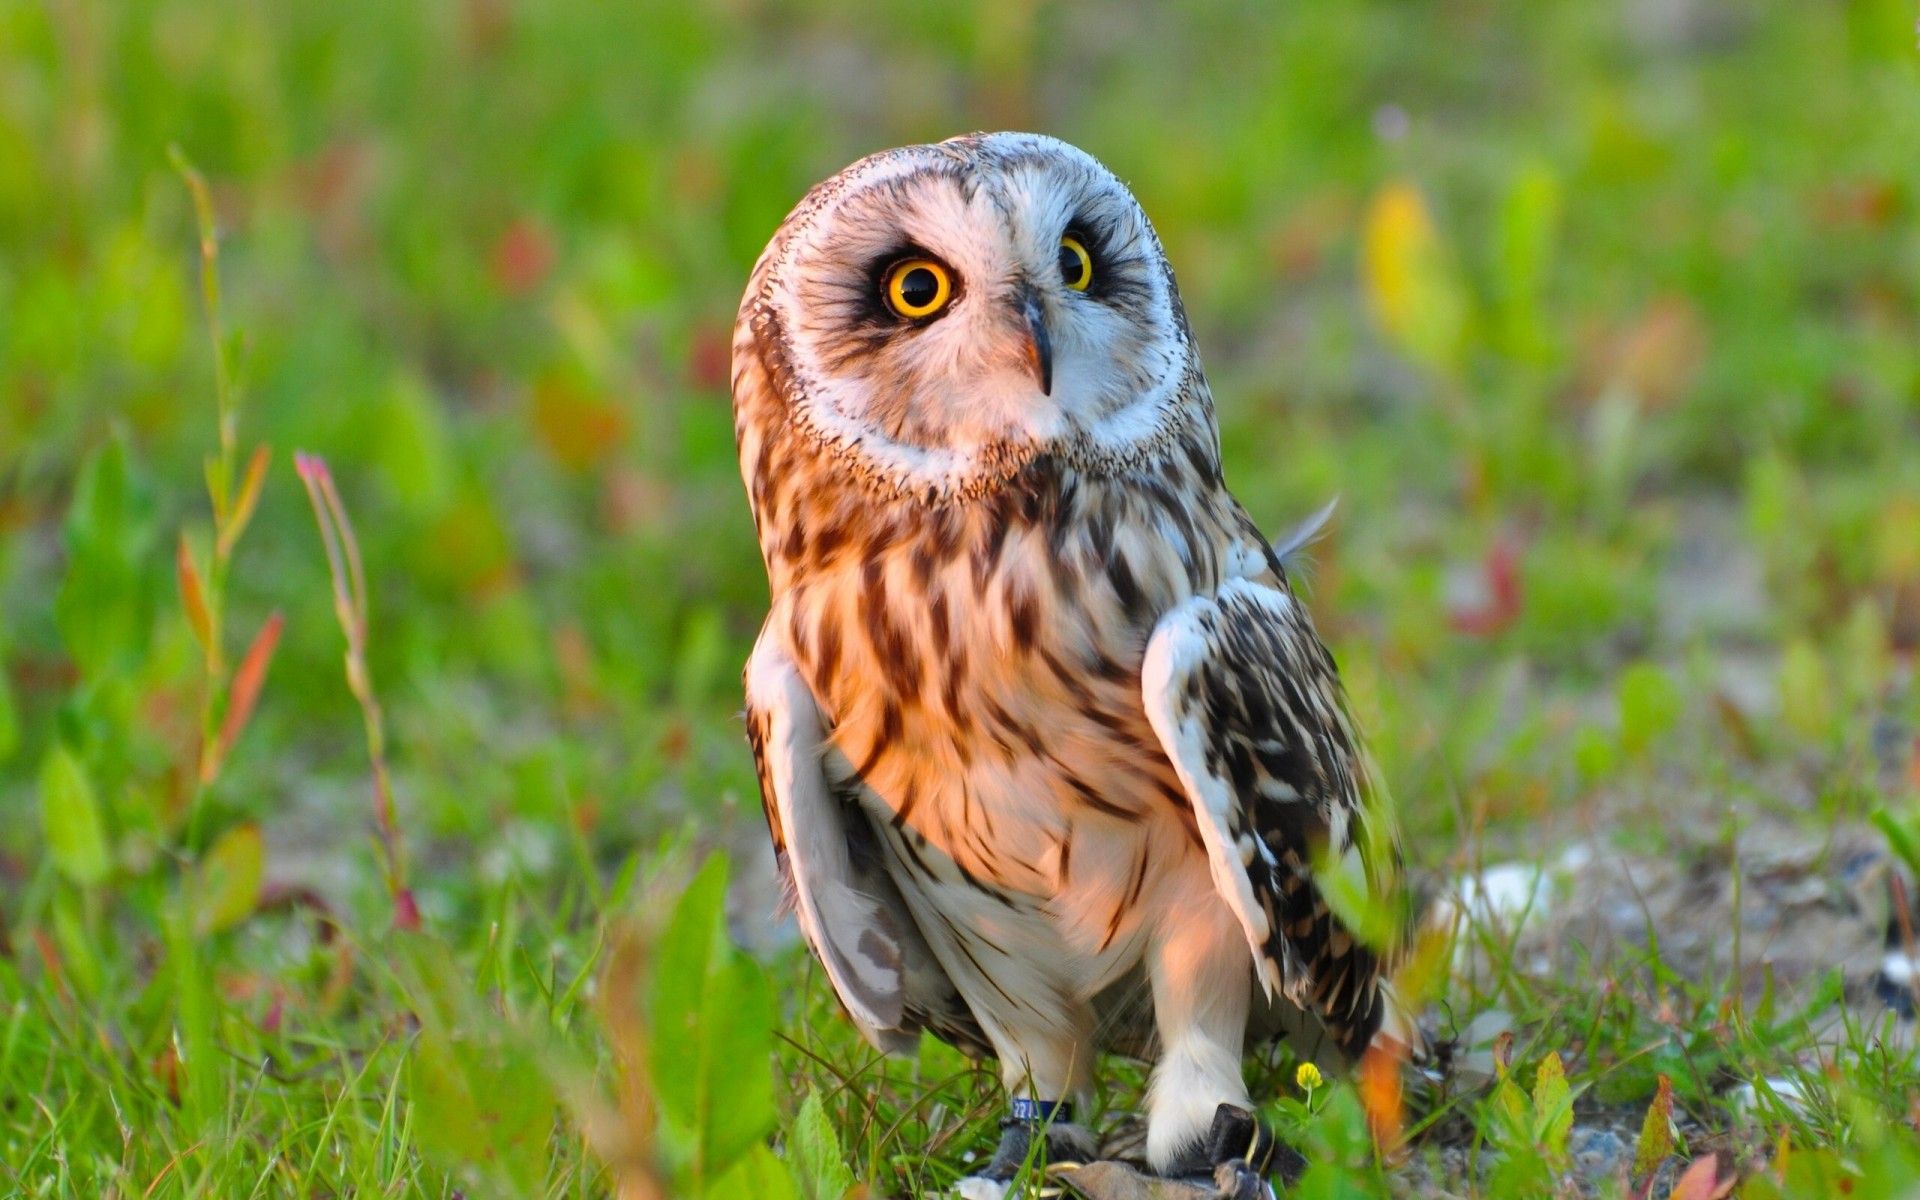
pixel 1237 1180
pixel 1238 1148
pixel 1109 1180
pixel 1063 1148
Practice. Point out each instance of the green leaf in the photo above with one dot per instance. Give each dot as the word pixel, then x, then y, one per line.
pixel 415 456
pixel 1595 755
pixel 1529 220
pixel 1510 1110
pixel 1615 442
pixel 1649 707
pixel 227 883
pixel 483 1103
pixel 813 1154
pixel 715 1009
pixel 1865 653
pixel 702 657
pixel 70 813
pixel 1552 1107
pixel 1337 1143
pixel 9 721
pixel 1357 883
pixel 196 1012
pixel 757 1175
pixel 1806 690
pixel 1900 838
pixel 105 604
pixel 79 948
pixel 1656 1132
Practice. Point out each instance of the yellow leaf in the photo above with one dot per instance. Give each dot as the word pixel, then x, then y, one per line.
pixel 249 495
pixel 1410 281
pixel 1552 1106
pixel 579 428
pixel 1897 538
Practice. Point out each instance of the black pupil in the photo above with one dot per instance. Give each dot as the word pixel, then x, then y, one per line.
pixel 1069 264
pixel 918 288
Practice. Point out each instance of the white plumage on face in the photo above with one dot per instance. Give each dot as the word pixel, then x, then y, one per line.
pixel 933 400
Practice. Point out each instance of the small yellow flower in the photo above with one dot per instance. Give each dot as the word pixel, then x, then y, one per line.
pixel 1307 1077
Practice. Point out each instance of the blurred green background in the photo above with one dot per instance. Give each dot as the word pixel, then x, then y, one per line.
pixel 1602 319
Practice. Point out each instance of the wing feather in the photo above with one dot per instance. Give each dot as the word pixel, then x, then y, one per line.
pixel 850 932
pixel 849 909
pixel 1246 703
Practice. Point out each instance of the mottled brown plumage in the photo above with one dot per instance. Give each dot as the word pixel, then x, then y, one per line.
pixel 1048 748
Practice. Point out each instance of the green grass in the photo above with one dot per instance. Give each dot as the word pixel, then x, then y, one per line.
pixel 1601 319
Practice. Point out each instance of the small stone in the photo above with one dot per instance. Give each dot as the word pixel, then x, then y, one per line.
pixel 1599 1153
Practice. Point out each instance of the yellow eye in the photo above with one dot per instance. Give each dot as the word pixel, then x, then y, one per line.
pixel 917 287
pixel 1076 265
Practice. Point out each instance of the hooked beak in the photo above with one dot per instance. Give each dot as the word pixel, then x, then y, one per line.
pixel 1039 345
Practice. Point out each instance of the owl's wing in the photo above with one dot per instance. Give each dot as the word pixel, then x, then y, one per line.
pixel 848 908
pixel 1246 703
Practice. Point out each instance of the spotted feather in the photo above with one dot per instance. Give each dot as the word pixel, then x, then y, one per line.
pixel 1243 695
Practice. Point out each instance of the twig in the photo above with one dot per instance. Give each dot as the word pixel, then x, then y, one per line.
pixel 226 701
pixel 350 608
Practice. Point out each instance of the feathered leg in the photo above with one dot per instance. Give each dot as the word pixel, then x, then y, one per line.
pixel 1202 986
pixel 1045 1059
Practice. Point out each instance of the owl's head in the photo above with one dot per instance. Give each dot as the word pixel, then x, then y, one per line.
pixel 943 310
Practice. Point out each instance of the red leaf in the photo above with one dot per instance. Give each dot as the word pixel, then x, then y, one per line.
pixel 710 358
pixel 51 960
pixel 1702 1181
pixel 1381 1097
pixel 193 596
pixel 406 914
pixel 245 693
pixel 521 257
pixel 1501 573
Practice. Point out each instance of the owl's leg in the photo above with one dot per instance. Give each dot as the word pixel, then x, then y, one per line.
pixel 1048 1058
pixel 1202 978
pixel 1046 1064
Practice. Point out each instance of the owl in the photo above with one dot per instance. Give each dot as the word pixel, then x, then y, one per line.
pixel 1051 754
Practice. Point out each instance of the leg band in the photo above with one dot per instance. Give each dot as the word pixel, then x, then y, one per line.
pixel 1040 1112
